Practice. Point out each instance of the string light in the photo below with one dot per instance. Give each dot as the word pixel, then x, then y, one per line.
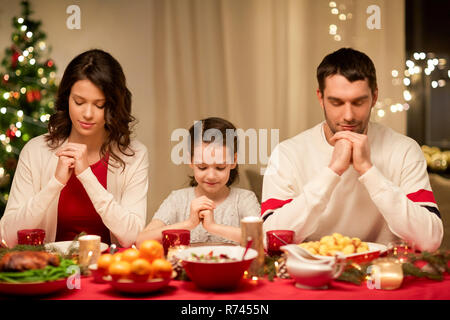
pixel 23 28
pixel 381 113
pixel 20 20
pixel 434 84
pixel 333 29
pixel 407 95
pixel 42 45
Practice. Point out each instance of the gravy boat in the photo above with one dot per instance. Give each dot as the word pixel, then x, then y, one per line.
pixel 310 272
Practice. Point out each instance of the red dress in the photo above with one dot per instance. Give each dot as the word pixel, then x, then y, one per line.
pixel 76 213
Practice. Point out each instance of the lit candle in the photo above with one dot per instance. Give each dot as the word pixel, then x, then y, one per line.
pixel 387 273
pixel 252 227
pixel 89 250
pixel 172 251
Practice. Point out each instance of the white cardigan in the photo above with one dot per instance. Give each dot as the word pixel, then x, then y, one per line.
pixel 34 195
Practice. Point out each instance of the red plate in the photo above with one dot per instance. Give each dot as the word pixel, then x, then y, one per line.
pixel 34 288
pixel 128 286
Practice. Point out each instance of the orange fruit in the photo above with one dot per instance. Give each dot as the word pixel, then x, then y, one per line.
pixel 130 255
pixel 119 270
pixel 162 269
pixel 141 270
pixel 104 261
pixel 117 256
pixel 151 250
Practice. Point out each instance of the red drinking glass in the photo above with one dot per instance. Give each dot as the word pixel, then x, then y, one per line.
pixel 278 238
pixel 174 238
pixel 32 237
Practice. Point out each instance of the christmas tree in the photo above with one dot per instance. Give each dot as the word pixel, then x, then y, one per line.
pixel 27 91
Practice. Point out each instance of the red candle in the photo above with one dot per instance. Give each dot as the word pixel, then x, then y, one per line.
pixel 278 238
pixel 174 238
pixel 32 237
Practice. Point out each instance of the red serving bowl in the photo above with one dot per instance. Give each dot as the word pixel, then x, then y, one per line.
pixel 216 276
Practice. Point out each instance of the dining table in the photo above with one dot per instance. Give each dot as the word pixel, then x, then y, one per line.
pixel 255 297
pixel 412 288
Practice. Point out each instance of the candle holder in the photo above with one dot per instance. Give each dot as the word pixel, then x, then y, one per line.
pixel 400 249
pixel 252 229
pixel 277 239
pixel 385 274
pixel 89 250
pixel 175 238
pixel 34 237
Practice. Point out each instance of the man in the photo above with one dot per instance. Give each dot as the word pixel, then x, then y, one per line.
pixel 347 174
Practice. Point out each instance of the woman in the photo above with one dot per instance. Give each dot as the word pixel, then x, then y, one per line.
pixel 85 174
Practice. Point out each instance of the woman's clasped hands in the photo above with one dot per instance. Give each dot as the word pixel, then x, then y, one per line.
pixel 73 157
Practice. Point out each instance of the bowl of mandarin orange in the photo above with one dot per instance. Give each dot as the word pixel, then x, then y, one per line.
pixel 135 270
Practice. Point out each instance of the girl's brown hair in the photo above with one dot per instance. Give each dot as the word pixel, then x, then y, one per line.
pixel 105 72
pixel 223 126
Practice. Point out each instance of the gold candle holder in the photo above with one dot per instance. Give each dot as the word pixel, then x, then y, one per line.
pixel 252 228
pixel 386 274
pixel 173 251
pixel 89 250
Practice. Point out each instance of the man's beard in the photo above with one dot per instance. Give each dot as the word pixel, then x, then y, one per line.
pixel 360 127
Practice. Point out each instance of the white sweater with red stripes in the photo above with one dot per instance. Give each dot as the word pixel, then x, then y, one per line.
pixel 391 200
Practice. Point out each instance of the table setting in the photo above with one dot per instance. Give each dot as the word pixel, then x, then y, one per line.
pixel 262 267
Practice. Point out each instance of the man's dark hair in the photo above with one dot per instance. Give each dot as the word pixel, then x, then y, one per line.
pixel 352 64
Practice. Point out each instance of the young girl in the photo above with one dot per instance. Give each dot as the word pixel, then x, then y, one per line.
pixel 85 174
pixel 210 208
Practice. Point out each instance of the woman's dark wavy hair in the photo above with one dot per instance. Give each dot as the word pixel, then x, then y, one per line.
pixel 222 125
pixel 105 72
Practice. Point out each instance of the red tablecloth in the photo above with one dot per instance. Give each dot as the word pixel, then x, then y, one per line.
pixel 263 289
